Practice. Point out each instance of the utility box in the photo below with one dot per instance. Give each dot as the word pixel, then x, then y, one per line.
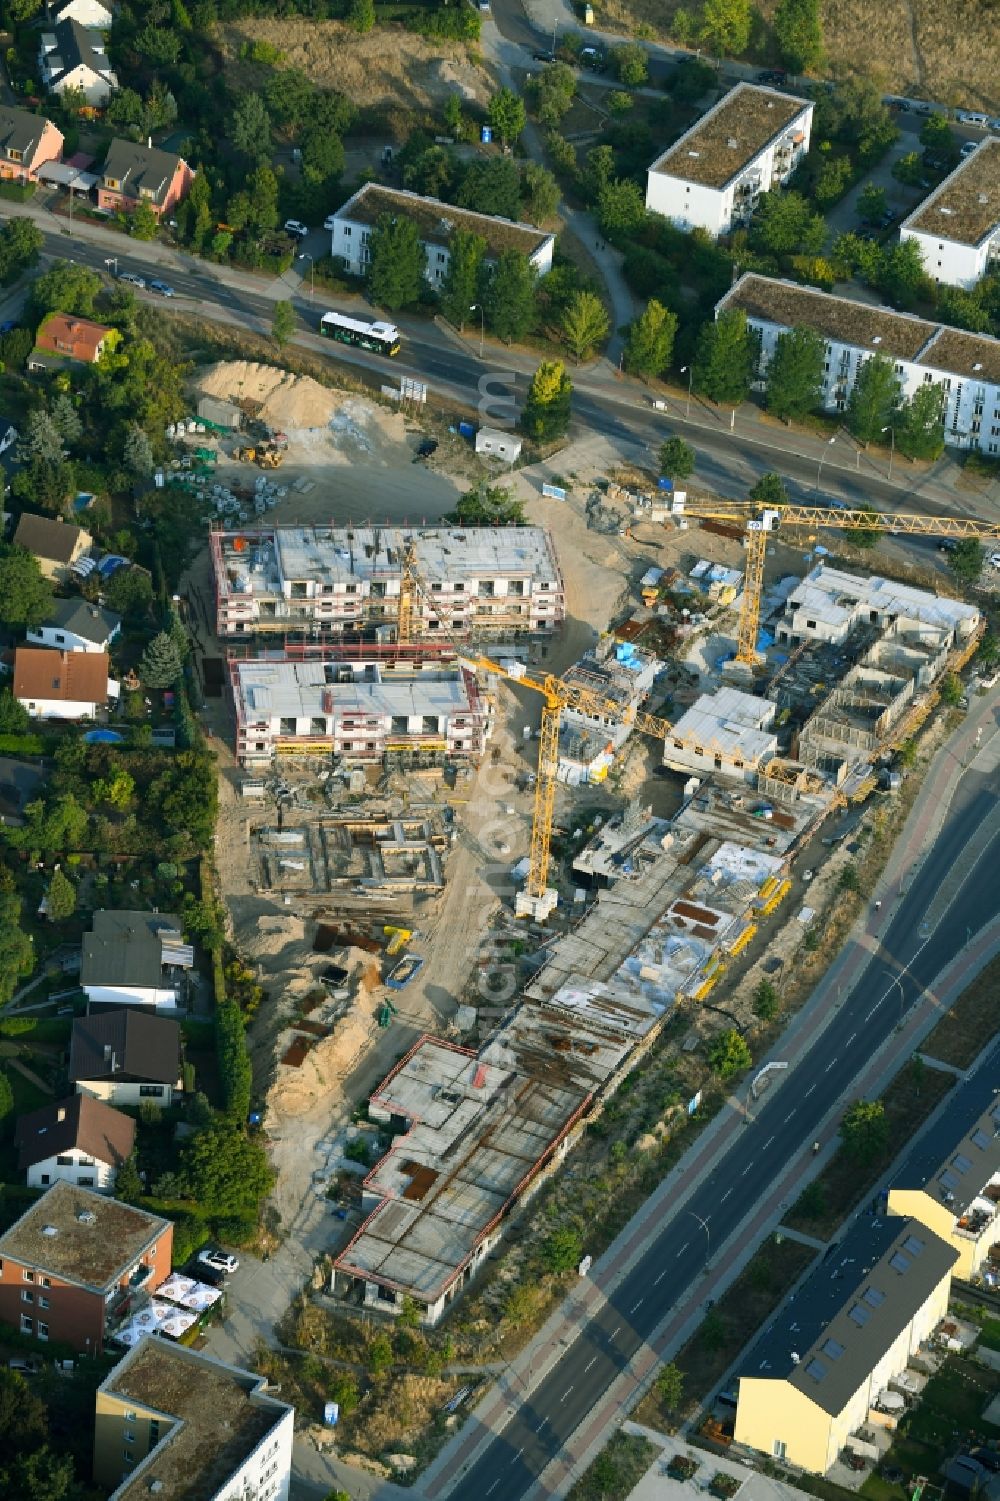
pixel 588 15
pixel 220 414
pixel 498 445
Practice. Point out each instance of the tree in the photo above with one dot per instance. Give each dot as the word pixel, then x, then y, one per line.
pixel 728 1054
pixel 795 374
pixel 677 458
pixel 117 789
pixel 649 343
pixel 670 1387
pixel 920 423
pixel 461 283
pixel 194 213
pixel 60 898
pixel 23 1419
pixel 40 439
pixel 584 324
pixel 488 505
pixel 600 171
pixel 621 208
pixel 507 115
pixel 20 243
pixel 832 181
pixel 799 34
pixel 965 562
pixel 554 89
pixel 250 127
pixel 6 1108
pixel 492 187
pixel 546 411
pixel 725 358
pixel 952 691
pixel 14 717
pixel 226 1172
pixel 160 666
pixel 289 96
pixel 874 399
pixel 785 224
pixel 765 1001
pixel 872 204
pixel 397 266
pixel 283 323
pixel 989 650
pixel 137 451
pixel 562 1250
pixel 128 1184
pixel 432 172
pixel 25 596
pixel 630 64
pixel 451 114
pixel 769 490
pixel 509 296
pixel 937 136
pixel 864 1131
pixel 144 223
pixel 539 193
pixel 361 15
pixel 65 288
pixel 909 169
pixel 901 274
pixel 66 419
pixel 725 26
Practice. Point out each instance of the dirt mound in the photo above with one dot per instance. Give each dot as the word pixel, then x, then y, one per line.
pixel 298 1090
pixel 284 400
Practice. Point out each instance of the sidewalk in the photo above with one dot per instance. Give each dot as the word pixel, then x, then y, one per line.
pixel 923 824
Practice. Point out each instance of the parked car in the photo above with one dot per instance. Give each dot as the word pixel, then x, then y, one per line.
pixel 132 279
pixel 994 560
pixel 543 57
pixel 772 75
pixel 297 228
pixel 969 147
pixel 162 288
pixel 947 544
pixel 594 59
pixel 24 1365
pixel 330 222
pixel 219 1261
pixel 971 117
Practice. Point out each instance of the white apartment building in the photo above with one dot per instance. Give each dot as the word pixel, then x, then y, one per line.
pixel 965 365
pixel 174 1423
pixel 748 143
pixel 336 581
pixel 361 710
pixel 350 239
pixel 958 225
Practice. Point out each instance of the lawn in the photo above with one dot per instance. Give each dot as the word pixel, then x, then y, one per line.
pixel 970 1024
pixel 616 1471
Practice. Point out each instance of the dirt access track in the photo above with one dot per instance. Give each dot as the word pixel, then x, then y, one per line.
pixel 385 67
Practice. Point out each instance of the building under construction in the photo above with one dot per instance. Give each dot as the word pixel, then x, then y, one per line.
pixel 405 710
pixel 345 581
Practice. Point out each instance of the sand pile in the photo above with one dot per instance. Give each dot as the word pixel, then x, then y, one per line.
pixel 286 400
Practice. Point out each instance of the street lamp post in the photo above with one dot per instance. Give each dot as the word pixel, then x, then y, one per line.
pixel 688 370
pixel 892 445
pixel 305 256
pixel 112 261
pixel 708 1234
pixel 477 306
pixel 822 460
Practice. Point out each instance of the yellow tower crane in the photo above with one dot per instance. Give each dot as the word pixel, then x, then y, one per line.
pixel 761 522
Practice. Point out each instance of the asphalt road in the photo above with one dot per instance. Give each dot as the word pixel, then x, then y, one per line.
pixel 822 1080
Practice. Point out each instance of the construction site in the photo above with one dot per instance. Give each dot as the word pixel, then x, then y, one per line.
pixel 499 877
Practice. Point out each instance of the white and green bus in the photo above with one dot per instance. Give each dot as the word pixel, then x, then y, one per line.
pixel 379 338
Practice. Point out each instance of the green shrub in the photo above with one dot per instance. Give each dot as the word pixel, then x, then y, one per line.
pixel 190 1234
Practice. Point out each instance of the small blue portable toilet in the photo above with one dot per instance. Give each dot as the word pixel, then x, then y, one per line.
pixel 486 134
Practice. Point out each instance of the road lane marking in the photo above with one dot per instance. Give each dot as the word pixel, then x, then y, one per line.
pixel 809 1091
pixel 590 1363
pixel 850 1039
pixel 616 1330
pixel 683 1248
pixel 725 1196
pixel 519 1453
pixel 789 1117
pixel 831 1064
pixel 635 1306
pixel 768 1142
pixel 872 1012
pixel 561 1399
pixel 493 1487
